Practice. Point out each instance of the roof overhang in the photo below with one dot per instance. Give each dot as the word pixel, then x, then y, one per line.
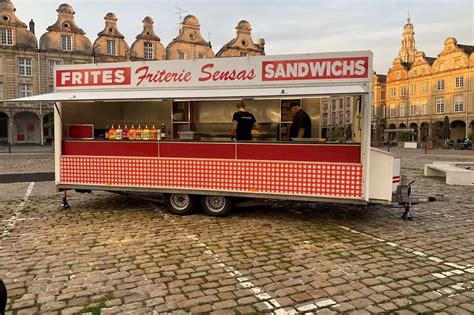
pixel 196 94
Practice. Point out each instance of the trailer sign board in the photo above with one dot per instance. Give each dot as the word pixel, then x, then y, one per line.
pixel 351 67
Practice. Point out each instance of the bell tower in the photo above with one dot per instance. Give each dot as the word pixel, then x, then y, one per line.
pixel 408 50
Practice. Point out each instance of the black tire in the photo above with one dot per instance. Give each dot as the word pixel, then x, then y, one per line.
pixel 181 204
pixel 217 206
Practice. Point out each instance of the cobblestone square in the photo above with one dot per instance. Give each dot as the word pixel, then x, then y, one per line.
pixel 115 254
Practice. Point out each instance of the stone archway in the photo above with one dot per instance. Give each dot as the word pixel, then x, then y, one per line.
pixel 26 128
pixel 414 126
pixel 392 135
pixel 324 133
pixel 402 126
pixel 424 132
pixel 48 127
pixel 3 128
pixel 458 130
pixel 437 130
pixel 471 130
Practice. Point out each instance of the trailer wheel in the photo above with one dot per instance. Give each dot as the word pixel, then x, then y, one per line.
pixel 217 206
pixel 180 203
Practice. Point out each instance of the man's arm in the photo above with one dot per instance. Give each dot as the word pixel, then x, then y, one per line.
pixel 233 129
pixel 300 132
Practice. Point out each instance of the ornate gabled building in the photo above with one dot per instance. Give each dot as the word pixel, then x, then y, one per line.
pixel 63 43
pixel 110 45
pixel 147 45
pixel 242 44
pixel 18 77
pixel 422 91
pixel 189 44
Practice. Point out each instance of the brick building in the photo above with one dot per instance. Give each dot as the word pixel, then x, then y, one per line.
pixel 26 67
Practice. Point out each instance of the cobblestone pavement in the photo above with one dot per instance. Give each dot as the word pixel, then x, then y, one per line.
pixel 116 254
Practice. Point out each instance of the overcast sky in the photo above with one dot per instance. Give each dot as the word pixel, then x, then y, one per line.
pixel 290 26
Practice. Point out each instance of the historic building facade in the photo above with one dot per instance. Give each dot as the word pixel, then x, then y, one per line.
pixel 421 91
pixel 26 68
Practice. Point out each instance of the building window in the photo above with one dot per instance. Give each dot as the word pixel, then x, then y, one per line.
pixel 441 67
pixel 397 75
pixel 393 111
pixel 181 55
pixel 1 91
pixel 412 109
pixel 440 85
pixel 412 89
pixel 201 56
pixel 403 109
pixel 26 90
pixel 439 105
pixel 423 71
pixel 53 63
pixel 66 42
pixel 341 103
pixel 6 37
pixel 459 82
pixel 1 65
pixel 458 104
pixel 393 92
pixel 424 87
pixel 243 54
pixel 424 109
pixel 457 63
pixel 111 48
pixel 325 119
pixel 382 111
pixel 341 117
pixel 25 68
pixel 333 119
pixel 414 73
pixel 374 114
pixel 148 51
pixel 348 116
pixel 403 90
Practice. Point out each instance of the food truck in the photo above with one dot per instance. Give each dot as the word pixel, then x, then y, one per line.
pixel 164 126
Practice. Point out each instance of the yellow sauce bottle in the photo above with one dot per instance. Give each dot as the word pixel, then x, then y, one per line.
pixel 131 133
pixel 146 133
pixel 138 133
pixel 118 133
pixel 153 133
pixel 112 133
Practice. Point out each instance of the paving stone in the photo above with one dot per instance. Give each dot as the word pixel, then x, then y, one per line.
pixel 147 259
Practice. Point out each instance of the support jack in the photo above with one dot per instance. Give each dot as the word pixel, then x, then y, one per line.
pixel 64 204
pixel 407 214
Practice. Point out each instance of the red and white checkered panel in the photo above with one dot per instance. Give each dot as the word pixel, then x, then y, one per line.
pixel 270 177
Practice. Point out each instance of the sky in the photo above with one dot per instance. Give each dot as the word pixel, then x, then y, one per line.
pixel 296 26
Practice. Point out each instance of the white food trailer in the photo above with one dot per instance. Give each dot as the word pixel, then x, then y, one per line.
pixel 197 98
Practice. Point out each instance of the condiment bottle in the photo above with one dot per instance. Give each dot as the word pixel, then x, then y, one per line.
pixel 138 133
pixel 106 133
pixel 125 132
pixel 153 133
pixel 131 133
pixel 112 133
pixel 146 133
pixel 118 133
pixel 163 131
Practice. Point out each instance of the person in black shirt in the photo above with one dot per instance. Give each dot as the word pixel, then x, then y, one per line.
pixel 301 126
pixel 242 123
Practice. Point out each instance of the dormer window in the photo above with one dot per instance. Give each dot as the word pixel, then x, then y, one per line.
pixel 148 51
pixel 111 48
pixel 5 18
pixel 244 43
pixel 66 26
pixel 6 37
pixel 66 43
pixel 111 30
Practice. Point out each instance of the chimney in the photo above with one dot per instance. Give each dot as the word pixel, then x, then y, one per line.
pixel 32 26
